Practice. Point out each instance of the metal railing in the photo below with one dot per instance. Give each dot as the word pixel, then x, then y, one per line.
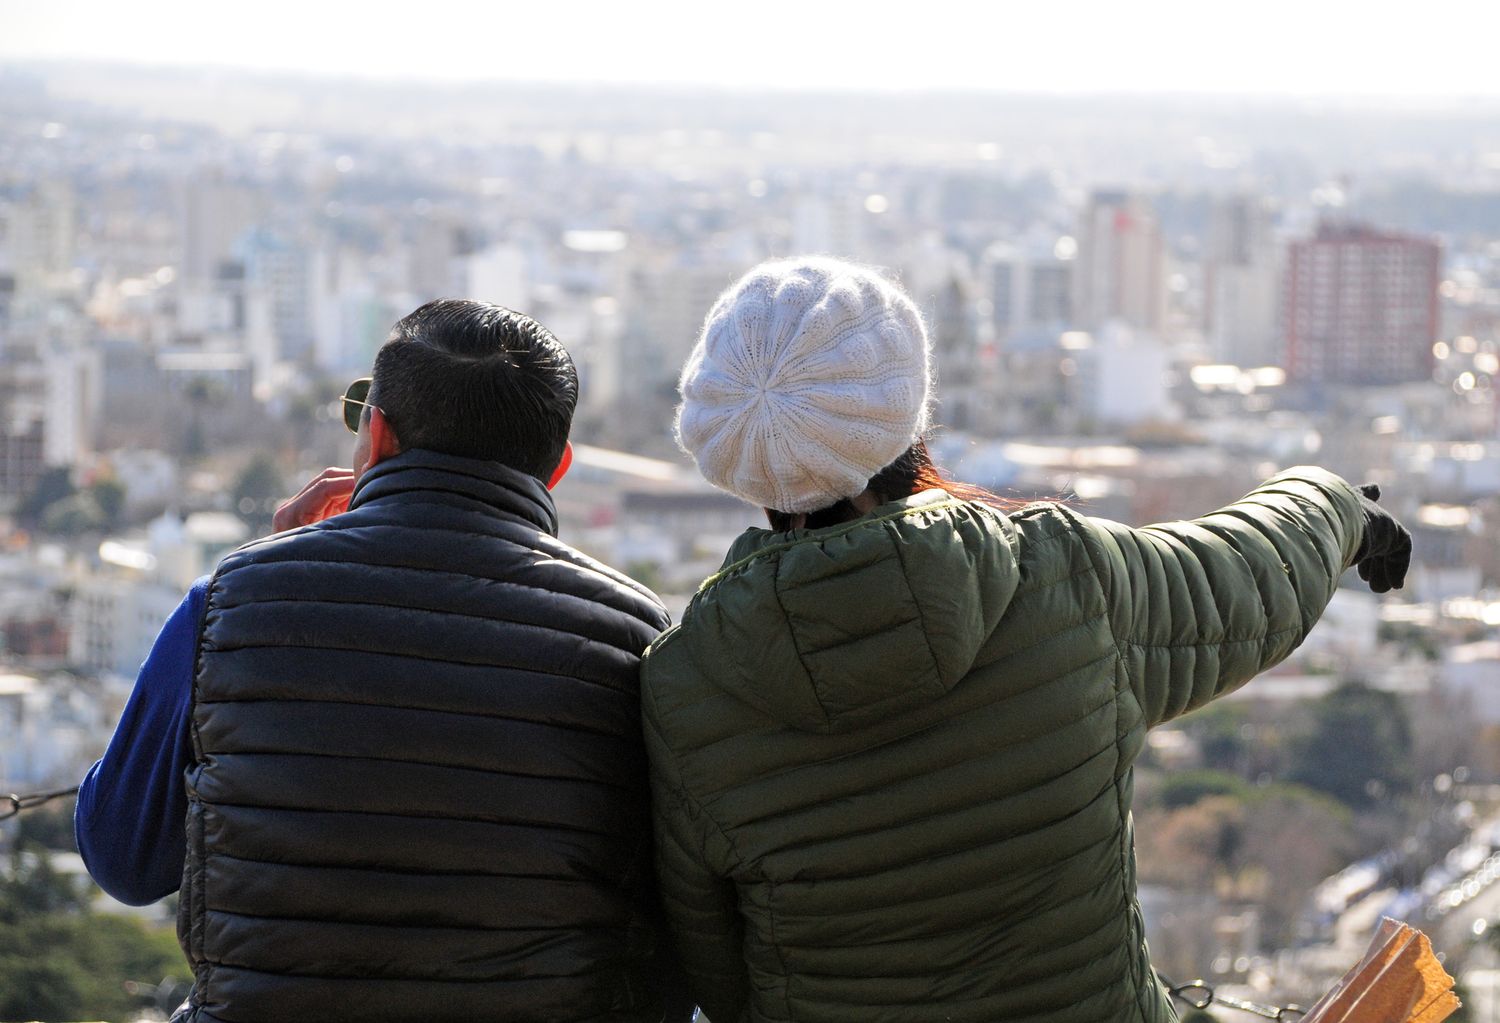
pixel 17 803
pixel 1200 995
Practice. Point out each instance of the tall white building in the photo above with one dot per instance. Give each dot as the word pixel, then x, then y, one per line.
pixel 280 269
pixel 1243 283
pixel 1122 377
pixel 215 213
pixel 1120 272
pixel 828 226
pixel 585 303
pixel 942 283
pixel 72 403
pixel 1029 285
pixel 118 608
pixel 352 314
pixel 40 233
pixel 498 274
pixel 49 729
pixel 671 299
pixel 114 618
pixel 432 256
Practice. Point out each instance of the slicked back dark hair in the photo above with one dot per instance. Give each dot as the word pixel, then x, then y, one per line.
pixel 477 380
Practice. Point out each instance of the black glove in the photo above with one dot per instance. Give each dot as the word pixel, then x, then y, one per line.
pixel 1385 550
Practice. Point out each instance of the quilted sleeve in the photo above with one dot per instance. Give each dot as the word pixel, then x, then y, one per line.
pixel 701 906
pixel 1200 607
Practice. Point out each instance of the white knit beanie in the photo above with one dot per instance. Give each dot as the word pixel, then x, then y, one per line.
pixel 811 375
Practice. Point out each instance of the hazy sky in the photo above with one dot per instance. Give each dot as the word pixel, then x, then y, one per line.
pixel 1274 47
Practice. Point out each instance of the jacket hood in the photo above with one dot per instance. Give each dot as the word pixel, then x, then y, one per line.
pixel 832 629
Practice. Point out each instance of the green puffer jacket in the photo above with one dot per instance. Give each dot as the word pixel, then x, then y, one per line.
pixel 892 758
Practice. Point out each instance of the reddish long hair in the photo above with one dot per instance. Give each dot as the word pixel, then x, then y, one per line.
pixel 909 474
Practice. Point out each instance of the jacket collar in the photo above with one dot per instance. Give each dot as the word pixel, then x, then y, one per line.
pixel 754 542
pixel 499 488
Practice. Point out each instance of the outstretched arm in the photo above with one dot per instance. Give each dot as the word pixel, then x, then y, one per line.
pixel 1200 607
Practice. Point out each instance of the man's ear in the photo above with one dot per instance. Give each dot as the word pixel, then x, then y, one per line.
pixel 383 440
pixel 563 465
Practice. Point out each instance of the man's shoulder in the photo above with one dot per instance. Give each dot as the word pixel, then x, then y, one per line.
pixel 648 606
pixel 519 553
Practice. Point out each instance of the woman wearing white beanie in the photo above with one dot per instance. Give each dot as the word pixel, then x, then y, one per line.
pixel 891 740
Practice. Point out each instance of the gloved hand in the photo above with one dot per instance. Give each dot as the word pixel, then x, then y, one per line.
pixel 1385 550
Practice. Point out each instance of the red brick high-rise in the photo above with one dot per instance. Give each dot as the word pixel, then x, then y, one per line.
pixel 1360 306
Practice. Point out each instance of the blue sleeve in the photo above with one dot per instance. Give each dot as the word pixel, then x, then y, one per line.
pixel 132 805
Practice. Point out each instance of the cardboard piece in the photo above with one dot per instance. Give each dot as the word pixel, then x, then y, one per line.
pixel 1399 980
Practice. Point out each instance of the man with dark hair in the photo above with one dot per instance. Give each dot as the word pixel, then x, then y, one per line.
pixel 391 754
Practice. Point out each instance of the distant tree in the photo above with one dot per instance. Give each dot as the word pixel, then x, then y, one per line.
pixel 1184 788
pixel 1293 839
pixel 34 987
pixel 1218 729
pixel 256 491
pixel 1191 848
pixel 302 409
pixel 1270 846
pixel 33 888
pixel 1359 748
pixel 60 961
pixel 201 393
pixel 73 515
pixel 1445 735
pixel 52 486
pixel 77 966
pixel 109 495
pixel 50 827
pixel 647 573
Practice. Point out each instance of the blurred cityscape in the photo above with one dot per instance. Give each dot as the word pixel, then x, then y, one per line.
pixel 1142 306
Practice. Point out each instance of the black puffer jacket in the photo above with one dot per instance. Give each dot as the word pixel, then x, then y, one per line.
pixel 420 792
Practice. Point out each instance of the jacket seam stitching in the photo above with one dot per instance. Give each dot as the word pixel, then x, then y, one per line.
pixel 325 527
pixel 959 810
pixel 549 531
pixel 921 617
pixel 197 895
pixel 796 647
pixel 444 612
pixel 410 656
pixel 368 758
pixel 402 925
pixel 786 971
pixel 679 783
pixel 504 822
pixel 1224 536
pixel 680 790
pixel 423 570
pixel 987 922
pixel 302 864
pixel 1268 634
pixel 820 537
pixel 1128 897
pixel 477 715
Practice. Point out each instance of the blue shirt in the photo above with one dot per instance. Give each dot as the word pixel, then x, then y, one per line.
pixel 132 805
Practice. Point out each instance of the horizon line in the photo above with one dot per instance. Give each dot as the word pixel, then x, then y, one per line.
pixel 56 63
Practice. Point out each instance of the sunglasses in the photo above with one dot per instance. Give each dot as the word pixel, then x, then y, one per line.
pixel 354 402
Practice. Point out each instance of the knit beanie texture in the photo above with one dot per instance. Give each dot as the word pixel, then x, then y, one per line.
pixel 811 375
